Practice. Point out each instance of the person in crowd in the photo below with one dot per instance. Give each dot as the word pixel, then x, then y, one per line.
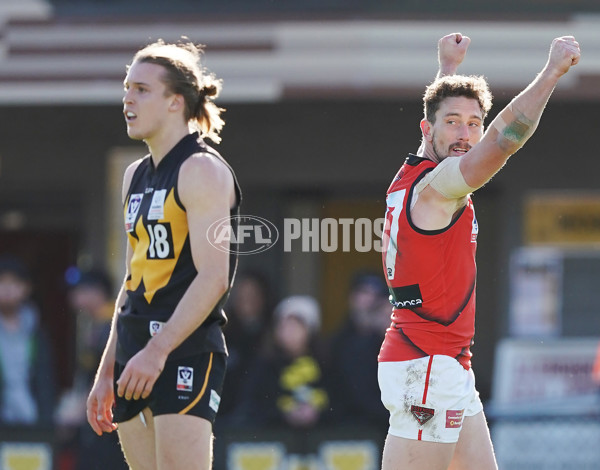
pixel 353 351
pixel 286 385
pixel 596 367
pixel 91 299
pixel 248 317
pixel 27 374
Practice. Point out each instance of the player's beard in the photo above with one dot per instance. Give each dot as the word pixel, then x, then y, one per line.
pixel 437 155
pixel 429 151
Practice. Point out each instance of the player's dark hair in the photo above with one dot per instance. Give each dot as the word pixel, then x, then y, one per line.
pixel 468 86
pixel 186 77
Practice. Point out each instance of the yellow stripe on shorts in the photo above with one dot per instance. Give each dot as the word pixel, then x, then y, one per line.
pixel 199 397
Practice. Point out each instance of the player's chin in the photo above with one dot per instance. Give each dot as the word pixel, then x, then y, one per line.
pixel 134 134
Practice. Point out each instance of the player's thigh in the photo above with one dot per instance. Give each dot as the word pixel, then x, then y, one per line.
pixel 183 441
pixel 409 454
pixel 138 441
pixel 474 450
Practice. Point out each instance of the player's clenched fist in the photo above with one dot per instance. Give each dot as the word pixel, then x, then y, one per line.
pixel 564 53
pixel 452 49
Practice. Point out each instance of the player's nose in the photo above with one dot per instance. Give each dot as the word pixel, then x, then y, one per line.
pixel 463 132
pixel 127 97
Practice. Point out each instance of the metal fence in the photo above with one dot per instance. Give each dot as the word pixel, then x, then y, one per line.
pixel 549 443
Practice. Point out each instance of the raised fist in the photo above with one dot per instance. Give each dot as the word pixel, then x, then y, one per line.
pixel 564 53
pixel 452 49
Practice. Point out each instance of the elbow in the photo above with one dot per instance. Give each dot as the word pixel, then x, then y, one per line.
pixel 508 147
pixel 221 280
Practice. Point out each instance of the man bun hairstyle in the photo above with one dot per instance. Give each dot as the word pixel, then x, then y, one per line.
pixel 185 76
pixel 469 86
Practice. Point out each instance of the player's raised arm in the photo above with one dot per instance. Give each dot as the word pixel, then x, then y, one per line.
pixel 515 124
pixel 452 50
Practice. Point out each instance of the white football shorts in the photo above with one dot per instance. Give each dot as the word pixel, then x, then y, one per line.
pixel 428 397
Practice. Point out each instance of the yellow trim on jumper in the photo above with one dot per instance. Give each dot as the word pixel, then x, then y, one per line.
pixel 197 399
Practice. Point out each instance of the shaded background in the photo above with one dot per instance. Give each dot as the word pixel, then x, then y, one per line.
pixel 323 105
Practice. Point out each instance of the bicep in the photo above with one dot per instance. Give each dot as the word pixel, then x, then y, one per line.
pixel 128 257
pixel 127 178
pixel 200 219
pixel 205 190
pixel 484 160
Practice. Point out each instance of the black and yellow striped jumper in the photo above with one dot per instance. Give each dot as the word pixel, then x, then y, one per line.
pixel 162 267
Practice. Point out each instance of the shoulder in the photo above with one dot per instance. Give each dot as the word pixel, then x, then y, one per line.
pixel 413 170
pixel 128 176
pixel 206 175
pixel 415 166
pixel 131 169
pixel 206 168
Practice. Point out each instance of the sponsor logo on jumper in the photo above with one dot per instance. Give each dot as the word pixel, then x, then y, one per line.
pixel 155 327
pixel 185 379
pixel 406 296
pixel 157 207
pixel 454 418
pixel 422 414
pixel 405 303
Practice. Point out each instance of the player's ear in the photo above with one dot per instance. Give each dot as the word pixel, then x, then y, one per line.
pixel 426 128
pixel 177 102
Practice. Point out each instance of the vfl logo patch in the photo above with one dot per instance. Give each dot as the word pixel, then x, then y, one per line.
pixel 422 414
pixel 155 327
pixel 185 379
pixel 135 201
pixel 454 418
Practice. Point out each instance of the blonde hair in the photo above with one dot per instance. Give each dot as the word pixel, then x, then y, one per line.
pixel 185 76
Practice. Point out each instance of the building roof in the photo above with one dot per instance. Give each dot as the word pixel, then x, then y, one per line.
pixel 50 59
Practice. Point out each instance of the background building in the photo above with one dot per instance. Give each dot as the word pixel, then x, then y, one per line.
pixel 323 101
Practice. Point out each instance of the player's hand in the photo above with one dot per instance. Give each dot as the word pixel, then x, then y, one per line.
pixel 140 373
pixel 564 53
pixel 99 406
pixel 452 49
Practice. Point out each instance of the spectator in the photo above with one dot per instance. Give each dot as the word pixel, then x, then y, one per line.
pixel 248 318
pixel 285 387
pixel 27 382
pixel 353 354
pixel 596 367
pixel 91 299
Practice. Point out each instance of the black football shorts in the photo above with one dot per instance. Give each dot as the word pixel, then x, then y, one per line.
pixel 189 386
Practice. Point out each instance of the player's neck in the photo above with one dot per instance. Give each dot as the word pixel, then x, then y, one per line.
pixel 427 151
pixel 164 141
